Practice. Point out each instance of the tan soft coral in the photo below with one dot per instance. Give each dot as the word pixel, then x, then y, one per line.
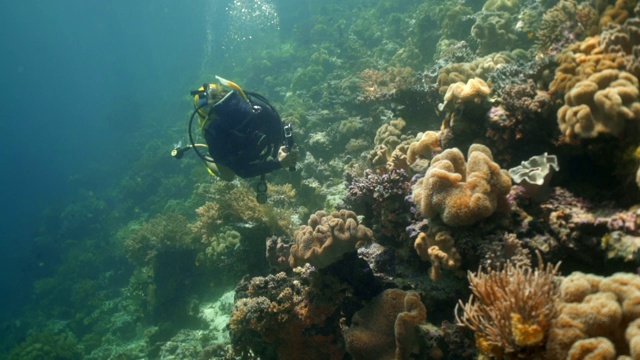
pixel 327 238
pixel 440 250
pixel 601 104
pixel 462 193
pixel 474 90
pixel 387 327
pixel 425 145
pixel 598 318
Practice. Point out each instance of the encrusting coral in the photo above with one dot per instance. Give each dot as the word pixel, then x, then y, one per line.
pixel 387 327
pixel 462 193
pixel 511 309
pixel 598 318
pixel 327 238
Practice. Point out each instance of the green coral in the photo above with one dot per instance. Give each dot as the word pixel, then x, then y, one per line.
pixel 509 6
pixel 48 345
pixel 493 31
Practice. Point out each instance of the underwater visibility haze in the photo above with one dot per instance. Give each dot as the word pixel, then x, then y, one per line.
pixel 467 183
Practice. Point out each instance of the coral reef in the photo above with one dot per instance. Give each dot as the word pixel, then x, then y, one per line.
pixel 381 199
pixel 462 193
pixel 327 238
pixel 284 317
pixel 387 327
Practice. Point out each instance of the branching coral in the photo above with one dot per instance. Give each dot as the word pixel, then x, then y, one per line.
pixel 387 328
pixel 511 309
pixel 462 193
pixel 327 238
pixel 598 318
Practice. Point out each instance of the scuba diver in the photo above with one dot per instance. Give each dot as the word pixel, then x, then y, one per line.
pixel 243 132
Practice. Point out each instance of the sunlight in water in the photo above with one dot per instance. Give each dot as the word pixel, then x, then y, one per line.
pixel 249 16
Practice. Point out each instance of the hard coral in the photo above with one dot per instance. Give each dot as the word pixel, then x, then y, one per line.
pixel 327 238
pixel 603 103
pixel 387 328
pixel 462 193
pixel 511 309
pixel 607 333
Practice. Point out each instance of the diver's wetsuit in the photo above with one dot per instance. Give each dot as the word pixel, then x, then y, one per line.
pixel 235 136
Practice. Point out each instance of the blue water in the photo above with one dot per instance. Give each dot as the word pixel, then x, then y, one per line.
pixel 82 83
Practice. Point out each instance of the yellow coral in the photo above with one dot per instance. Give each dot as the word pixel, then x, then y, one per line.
pixel 526 334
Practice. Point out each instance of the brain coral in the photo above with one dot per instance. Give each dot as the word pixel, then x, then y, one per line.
pixel 462 193
pixel 386 328
pixel 603 103
pixel 599 318
pixel 327 238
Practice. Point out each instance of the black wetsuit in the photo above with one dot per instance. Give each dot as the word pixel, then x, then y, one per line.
pixel 244 137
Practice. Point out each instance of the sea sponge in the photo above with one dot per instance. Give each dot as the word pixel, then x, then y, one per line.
pixel 327 238
pixel 462 193
pixel 387 327
pixel 603 103
pixel 598 318
pixel 440 250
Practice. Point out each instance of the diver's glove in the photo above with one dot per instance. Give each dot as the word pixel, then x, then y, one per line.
pixel 286 158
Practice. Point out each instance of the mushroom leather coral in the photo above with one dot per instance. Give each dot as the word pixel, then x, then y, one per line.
pixel 386 328
pixel 598 318
pixel 461 193
pixel 601 104
pixel 327 238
